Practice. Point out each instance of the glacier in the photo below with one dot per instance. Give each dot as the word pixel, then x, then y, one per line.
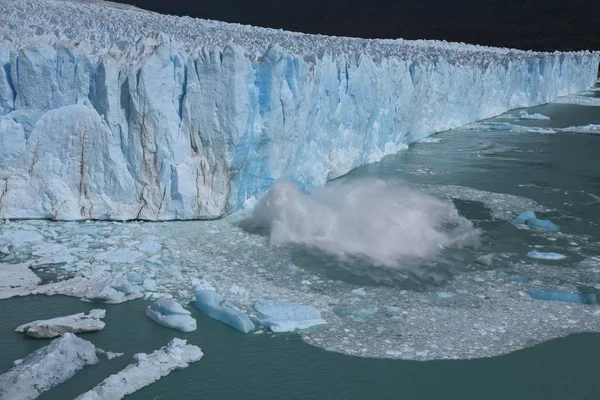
pixel 115 113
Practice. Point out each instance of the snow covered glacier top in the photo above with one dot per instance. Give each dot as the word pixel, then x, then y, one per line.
pixel 104 24
pixel 111 112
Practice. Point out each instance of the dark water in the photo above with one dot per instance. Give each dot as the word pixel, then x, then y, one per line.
pixel 236 366
pixel 557 170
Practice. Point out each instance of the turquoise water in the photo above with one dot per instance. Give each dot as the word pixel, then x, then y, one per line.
pixel 558 171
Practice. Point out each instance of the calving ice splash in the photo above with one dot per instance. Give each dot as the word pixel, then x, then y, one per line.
pixel 385 223
pixel 118 114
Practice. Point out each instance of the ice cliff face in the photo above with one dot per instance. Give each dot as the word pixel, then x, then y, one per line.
pixel 121 114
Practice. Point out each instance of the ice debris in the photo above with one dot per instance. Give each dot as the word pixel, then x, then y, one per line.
pixel 171 314
pixel 145 370
pixel 588 129
pixel 77 323
pixel 288 317
pixel 529 218
pixel 525 115
pixel 556 295
pixel 47 367
pixel 209 302
pixel 546 256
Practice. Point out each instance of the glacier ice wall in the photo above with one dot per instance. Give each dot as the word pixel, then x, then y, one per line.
pixel 108 113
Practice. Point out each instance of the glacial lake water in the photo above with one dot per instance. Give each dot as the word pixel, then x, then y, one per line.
pixel 558 170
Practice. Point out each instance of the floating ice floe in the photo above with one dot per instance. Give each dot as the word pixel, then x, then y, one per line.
pixel 108 354
pixel 209 302
pixel 525 115
pixel 77 323
pixel 145 370
pixel 556 295
pixel 17 280
pixel 47 367
pixel 588 129
pixel 529 218
pixel 120 256
pixel 98 287
pixel 171 314
pixel 288 317
pixel 546 256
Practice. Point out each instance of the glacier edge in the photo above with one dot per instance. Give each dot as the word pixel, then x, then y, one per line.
pixel 135 115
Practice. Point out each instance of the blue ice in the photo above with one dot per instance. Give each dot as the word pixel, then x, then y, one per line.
pixel 288 317
pixel 556 295
pixel 546 256
pixel 209 302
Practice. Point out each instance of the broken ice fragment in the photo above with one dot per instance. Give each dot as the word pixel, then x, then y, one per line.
pixel 209 302
pixel 77 323
pixel 546 256
pixel 171 314
pixel 529 218
pixel 47 367
pixel 543 224
pixel 288 317
pixel 524 217
pixel 555 295
pixel 145 370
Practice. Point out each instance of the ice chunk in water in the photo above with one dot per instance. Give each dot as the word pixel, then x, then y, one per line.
pixel 524 217
pixel 119 256
pixel 555 295
pixel 529 218
pixel 171 314
pixel 77 323
pixel 149 247
pixel 209 302
pixel 145 370
pixel 47 367
pixel 526 115
pixel 546 256
pixel 543 224
pixel 288 317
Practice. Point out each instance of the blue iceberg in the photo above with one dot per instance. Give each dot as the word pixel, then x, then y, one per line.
pixel 556 295
pixel 171 314
pixel 209 302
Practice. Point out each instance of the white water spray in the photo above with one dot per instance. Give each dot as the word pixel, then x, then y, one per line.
pixel 383 222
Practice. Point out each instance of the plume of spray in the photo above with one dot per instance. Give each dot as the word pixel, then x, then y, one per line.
pixel 385 223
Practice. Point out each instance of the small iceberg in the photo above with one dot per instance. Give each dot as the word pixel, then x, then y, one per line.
pixel 546 256
pixel 535 116
pixel 171 314
pixel 76 323
pixel 145 370
pixel 288 317
pixel 555 295
pixel 529 218
pixel 524 217
pixel 47 367
pixel 209 302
